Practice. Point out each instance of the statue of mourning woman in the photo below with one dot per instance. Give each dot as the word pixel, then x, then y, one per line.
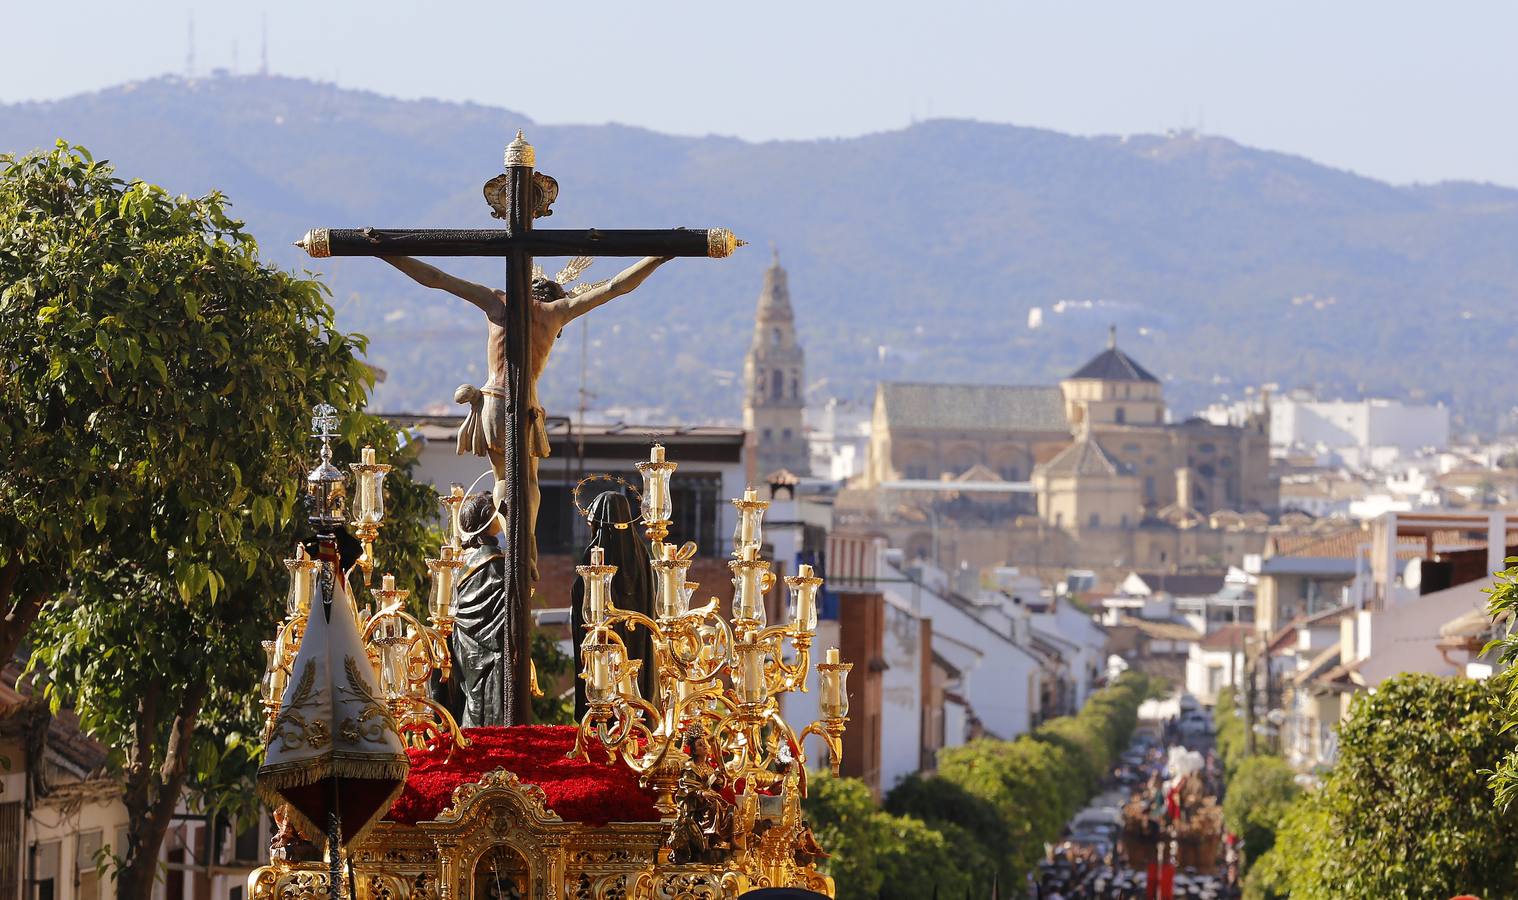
pixel 614 529
pixel 484 644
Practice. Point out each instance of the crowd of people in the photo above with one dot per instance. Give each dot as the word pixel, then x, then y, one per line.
pixel 1160 786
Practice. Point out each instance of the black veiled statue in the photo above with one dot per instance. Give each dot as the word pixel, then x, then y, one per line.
pixel 614 529
pixel 483 645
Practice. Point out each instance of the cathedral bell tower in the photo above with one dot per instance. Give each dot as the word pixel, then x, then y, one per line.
pixel 773 377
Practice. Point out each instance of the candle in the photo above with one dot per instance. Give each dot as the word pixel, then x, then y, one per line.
pixel 367 454
pixel 387 583
pixel 746 521
pixel 597 599
pixel 597 556
pixel 600 673
pixel 832 656
pixel 365 497
pixel 656 453
pixel 304 575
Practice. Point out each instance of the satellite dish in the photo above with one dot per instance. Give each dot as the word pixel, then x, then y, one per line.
pixel 1412 575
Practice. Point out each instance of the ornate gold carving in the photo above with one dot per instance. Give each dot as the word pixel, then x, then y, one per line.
pixel 529 798
pixel 317 243
pixel 720 243
pixel 520 153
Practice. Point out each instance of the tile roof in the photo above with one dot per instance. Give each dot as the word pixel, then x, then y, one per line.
pixel 1342 544
pixel 1165 631
pixel 974 407
pixel 1227 637
pixel 1113 364
pixel 1084 457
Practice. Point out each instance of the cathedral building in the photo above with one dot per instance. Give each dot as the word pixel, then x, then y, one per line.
pixel 1102 429
pixel 774 377
pixel 1090 473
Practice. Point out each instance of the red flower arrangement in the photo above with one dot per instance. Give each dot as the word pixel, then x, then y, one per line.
pixel 589 792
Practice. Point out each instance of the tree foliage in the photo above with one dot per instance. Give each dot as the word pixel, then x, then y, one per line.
pixel 1405 812
pixel 156 381
pixel 1503 607
pixel 1259 794
pixel 986 814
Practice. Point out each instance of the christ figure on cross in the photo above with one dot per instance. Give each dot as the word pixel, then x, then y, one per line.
pixel 484 430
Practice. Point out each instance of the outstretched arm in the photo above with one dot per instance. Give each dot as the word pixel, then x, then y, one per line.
pixel 627 281
pixel 430 276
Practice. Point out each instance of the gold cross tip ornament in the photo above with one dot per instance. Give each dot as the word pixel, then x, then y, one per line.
pixel 720 243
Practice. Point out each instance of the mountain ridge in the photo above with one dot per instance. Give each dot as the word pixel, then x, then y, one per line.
pixel 914 254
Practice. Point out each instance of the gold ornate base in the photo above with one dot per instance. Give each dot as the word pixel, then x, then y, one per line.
pixel 498 841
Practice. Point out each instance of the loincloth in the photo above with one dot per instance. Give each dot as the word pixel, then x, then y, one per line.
pixel 484 429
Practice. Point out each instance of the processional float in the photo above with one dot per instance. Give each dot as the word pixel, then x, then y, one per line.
pixel 690 793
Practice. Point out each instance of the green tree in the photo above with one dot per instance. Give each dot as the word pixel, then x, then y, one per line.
pixel 969 823
pixel 1503 607
pixel 1289 861
pixel 156 379
pixel 1405 812
pixel 842 814
pixel 1258 796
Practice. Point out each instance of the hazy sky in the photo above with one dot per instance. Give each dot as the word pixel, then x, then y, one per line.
pixel 1398 90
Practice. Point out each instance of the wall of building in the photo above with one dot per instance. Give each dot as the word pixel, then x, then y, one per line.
pixel 901 695
pixel 1358 423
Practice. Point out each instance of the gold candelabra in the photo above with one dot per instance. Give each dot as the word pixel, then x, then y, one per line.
pixel 404 650
pixel 715 714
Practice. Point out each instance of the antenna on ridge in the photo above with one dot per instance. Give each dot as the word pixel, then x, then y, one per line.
pixel 263 48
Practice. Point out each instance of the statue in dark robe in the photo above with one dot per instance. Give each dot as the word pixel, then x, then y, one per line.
pixel 613 529
pixel 483 645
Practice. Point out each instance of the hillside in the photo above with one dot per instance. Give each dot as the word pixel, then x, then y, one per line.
pixel 913 254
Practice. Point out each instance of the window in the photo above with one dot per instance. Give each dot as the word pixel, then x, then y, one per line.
pixel 249 844
pixel 785 435
pixel 45 871
pixel 1149 493
pixel 795 387
pixel 775 336
pixel 777 384
pixel 1120 416
pixel 1226 462
pixel 86 876
pixel 697 498
pixel 1096 520
pixel 765 436
pixel 1206 447
pixel 556 523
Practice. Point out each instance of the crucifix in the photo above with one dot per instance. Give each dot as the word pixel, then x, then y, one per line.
pixel 518 319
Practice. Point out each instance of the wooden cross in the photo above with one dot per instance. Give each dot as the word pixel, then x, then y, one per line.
pixel 518 196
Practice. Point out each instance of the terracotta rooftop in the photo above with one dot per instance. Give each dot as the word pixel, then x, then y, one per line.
pixel 1346 543
pixel 1227 637
pixel 1164 631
